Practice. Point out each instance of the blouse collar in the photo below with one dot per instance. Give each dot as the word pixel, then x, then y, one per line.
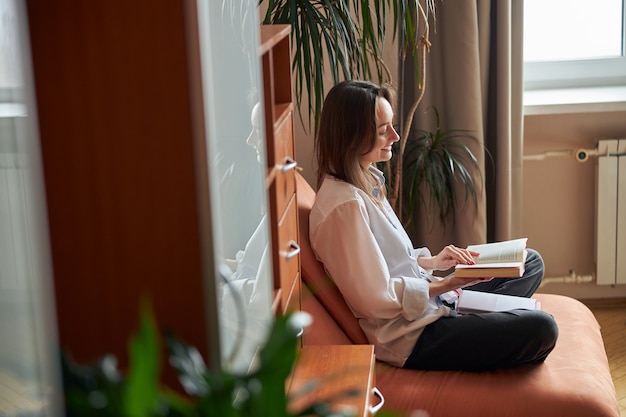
pixel 381 180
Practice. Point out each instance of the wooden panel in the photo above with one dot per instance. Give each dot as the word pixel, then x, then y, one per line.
pixel 338 369
pixel 117 137
pixel 284 185
pixel 281 179
pixel 282 71
pixel 275 52
pixel 271 35
pixel 288 253
pixel 294 301
pixel 283 138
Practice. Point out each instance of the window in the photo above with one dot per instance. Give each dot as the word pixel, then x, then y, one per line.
pixel 10 58
pixel 574 43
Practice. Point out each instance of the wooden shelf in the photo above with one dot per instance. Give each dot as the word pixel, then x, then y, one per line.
pixel 344 373
pixel 280 153
pixel 281 112
pixel 271 35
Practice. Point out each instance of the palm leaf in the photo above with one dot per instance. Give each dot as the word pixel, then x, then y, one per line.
pixel 344 37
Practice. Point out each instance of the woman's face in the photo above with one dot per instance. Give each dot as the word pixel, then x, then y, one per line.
pixel 386 135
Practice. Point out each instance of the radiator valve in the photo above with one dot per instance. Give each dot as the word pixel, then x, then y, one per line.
pixel 581 155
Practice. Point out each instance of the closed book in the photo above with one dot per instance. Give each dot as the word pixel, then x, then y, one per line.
pixel 481 302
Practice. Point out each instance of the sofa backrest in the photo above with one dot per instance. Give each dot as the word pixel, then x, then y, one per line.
pixel 313 274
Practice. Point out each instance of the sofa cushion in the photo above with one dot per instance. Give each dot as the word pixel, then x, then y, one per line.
pixel 324 330
pixel 314 275
pixel 574 381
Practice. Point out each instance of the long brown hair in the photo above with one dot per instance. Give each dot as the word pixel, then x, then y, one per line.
pixel 347 130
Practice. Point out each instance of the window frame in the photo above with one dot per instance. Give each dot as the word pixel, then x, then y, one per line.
pixel 585 73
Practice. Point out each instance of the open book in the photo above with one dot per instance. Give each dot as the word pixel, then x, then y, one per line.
pixel 499 259
pixel 478 302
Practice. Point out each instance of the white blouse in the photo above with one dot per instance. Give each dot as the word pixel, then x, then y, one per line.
pixel 368 254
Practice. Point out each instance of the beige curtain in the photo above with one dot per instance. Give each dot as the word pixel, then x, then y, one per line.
pixel 474 79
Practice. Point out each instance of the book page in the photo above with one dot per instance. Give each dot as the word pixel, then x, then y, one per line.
pixel 489 265
pixel 507 251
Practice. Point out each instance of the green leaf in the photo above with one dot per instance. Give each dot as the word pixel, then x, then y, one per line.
pixel 435 162
pixel 345 37
pixel 142 391
pixel 277 358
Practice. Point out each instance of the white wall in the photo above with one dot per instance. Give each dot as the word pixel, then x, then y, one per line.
pixel 559 195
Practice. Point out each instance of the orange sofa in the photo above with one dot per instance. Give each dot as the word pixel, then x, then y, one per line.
pixel 574 381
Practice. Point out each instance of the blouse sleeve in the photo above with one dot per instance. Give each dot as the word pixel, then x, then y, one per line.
pixel 345 244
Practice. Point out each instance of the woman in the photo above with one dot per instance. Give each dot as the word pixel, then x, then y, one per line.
pixel 404 310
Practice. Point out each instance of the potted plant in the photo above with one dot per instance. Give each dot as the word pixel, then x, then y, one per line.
pixel 345 38
pixel 436 164
pixel 101 389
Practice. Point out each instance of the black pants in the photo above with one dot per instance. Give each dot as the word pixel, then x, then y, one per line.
pixel 488 341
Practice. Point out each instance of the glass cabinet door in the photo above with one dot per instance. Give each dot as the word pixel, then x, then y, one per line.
pixel 231 76
pixel 29 379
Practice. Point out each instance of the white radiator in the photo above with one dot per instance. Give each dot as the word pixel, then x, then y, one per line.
pixel 611 212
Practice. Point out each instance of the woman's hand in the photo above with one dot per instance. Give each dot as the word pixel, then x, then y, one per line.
pixel 450 256
pixel 451 283
pixel 457 282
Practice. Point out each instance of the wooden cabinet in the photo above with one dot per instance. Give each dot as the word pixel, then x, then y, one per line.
pixel 118 115
pixel 338 369
pixel 281 163
pixel 345 373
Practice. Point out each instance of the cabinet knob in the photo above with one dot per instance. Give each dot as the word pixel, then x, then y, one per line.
pixel 376 408
pixel 295 249
pixel 289 165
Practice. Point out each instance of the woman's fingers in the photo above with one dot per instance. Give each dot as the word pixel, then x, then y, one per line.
pixel 462 255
